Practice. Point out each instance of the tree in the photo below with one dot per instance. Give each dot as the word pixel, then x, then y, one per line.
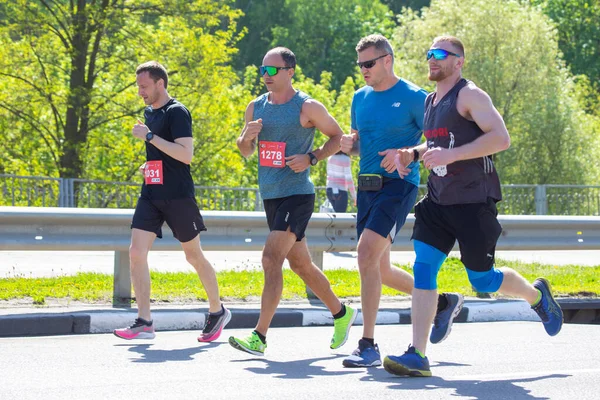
pixel 579 40
pixel 323 35
pixel 68 82
pixel 552 138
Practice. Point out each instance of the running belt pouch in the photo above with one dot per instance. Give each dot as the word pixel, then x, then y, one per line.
pixel 370 182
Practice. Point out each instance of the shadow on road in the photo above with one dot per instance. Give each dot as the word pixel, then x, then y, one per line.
pixel 150 355
pixel 298 369
pixel 470 388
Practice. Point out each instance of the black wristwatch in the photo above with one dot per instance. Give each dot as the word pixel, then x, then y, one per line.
pixel 313 159
pixel 415 155
pixel 149 136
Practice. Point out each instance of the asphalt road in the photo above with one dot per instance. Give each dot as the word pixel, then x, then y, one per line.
pixel 501 360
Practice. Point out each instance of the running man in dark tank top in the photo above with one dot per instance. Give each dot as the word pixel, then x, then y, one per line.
pixel 463 129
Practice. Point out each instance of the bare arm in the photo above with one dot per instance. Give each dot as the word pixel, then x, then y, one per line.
pixel 324 122
pixel 320 118
pixel 181 150
pixel 474 104
pixel 246 142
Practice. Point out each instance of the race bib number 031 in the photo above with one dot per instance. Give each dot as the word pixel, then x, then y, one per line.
pixel 153 172
pixel 272 154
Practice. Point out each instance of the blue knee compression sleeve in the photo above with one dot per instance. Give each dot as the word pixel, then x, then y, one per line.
pixel 428 263
pixel 487 281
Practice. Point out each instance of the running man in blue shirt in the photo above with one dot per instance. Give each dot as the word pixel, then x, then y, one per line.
pixel 387 115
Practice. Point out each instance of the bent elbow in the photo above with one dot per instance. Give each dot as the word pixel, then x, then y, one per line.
pixel 506 143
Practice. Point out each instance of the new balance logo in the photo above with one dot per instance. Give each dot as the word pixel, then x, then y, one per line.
pixel 396 105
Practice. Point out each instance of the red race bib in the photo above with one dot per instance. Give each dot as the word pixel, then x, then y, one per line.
pixel 271 154
pixel 153 172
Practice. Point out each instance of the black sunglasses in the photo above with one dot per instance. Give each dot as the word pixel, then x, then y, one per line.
pixel 370 63
pixel 269 70
pixel 440 54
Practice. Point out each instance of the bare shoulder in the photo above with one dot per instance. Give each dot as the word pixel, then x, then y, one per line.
pixel 471 99
pixel 314 110
pixel 472 95
pixel 312 105
pixel 249 111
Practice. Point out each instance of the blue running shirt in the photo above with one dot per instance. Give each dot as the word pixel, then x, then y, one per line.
pixel 390 119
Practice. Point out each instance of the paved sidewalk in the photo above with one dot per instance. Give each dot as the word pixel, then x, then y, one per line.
pixel 28 321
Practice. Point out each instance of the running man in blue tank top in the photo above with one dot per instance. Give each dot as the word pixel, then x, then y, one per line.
pixel 463 129
pixel 387 115
pixel 281 125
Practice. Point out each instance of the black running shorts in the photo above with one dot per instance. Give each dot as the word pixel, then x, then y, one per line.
pixel 293 211
pixel 182 216
pixel 475 226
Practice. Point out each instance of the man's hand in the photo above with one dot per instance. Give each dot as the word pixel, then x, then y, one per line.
pixel 402 160
pixel 298 162
pixel 139 130
pixel 438 156
pixel 142 168
pixel 388 160
pixel 347 142
pixel 252 130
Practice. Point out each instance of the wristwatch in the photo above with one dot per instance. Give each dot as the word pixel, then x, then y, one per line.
pixel 149 136
pixel 313 159
pixel 415 155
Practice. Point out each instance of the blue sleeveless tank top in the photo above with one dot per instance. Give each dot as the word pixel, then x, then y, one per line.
pixel 281 123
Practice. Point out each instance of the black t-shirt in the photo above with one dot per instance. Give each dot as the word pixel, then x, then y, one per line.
pixel 170 122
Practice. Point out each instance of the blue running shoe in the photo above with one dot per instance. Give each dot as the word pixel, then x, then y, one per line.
pixel 408 364
pixel 442 324
pixel 547 308
pixel 365 356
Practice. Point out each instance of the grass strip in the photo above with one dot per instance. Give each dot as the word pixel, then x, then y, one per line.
pixel 243 285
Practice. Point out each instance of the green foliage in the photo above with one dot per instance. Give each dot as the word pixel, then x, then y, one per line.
pixel 68 89
pixel 323 35
pixel 578 23
pixel 553 141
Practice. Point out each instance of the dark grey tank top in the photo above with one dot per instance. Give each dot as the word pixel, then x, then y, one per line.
pixel 462 182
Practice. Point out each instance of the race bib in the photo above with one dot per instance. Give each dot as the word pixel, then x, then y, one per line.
pixel 153 172
pixel 271 154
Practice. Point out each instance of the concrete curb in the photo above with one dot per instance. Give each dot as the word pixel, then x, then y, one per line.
pixel 18 323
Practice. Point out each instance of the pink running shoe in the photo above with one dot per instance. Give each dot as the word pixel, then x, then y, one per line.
pixel 141 329
pixel 214 326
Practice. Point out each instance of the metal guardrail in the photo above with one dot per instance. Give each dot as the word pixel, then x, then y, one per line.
pixel 88 229
pixel 66 192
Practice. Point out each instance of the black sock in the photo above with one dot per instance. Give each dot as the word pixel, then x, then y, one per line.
pixel 442 302
pixel 341 313
pixel 262 337
pixel 218 313
pixel 145 322
pixel 370 340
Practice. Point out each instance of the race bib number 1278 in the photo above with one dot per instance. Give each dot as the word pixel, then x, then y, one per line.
pixel 271 154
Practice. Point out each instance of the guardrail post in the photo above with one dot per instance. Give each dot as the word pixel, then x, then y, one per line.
pixel 541 201
pixel 122 280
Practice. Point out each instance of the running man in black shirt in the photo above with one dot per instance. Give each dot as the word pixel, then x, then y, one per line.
pixel 167 195
pixel 463 129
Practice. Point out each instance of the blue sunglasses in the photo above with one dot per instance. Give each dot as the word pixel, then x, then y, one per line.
pixel 440 54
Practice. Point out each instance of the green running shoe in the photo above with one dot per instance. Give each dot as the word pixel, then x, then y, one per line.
pixel 342 328
pixel 251 344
